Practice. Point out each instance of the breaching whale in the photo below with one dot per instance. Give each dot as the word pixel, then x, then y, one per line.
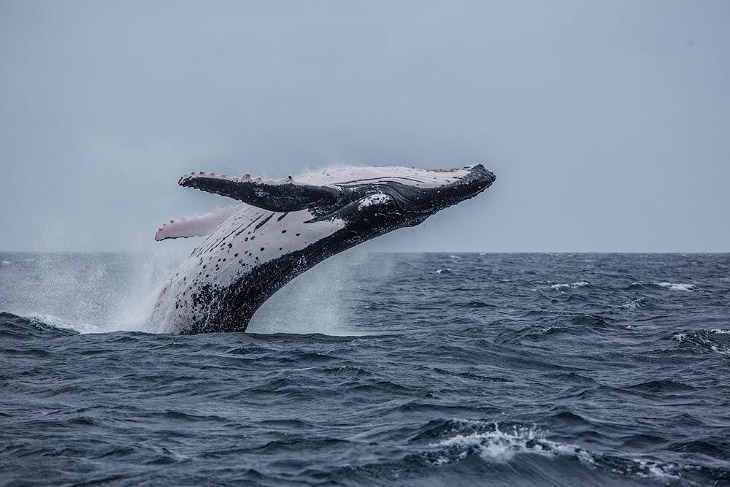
pixel 283 227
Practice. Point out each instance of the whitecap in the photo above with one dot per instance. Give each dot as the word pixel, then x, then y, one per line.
pixel 6 262
pixel 500 446
pixel 634 303
pixel 572 285
pixel 705 340
pixel 656 470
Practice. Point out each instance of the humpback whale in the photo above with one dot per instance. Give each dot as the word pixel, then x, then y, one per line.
pixel 281 228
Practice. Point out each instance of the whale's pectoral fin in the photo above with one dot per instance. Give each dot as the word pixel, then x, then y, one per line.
pixel 196 226
pixel 273 195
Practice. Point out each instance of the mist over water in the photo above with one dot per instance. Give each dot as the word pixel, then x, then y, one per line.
pixel 321 301
pixel 374 369
pixel 88 293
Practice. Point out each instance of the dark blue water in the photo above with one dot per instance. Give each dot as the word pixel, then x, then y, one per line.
pixel 436 369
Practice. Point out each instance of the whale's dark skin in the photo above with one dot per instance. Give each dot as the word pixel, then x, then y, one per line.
pixel 216 291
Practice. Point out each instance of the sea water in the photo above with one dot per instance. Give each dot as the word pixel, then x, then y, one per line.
pixel 380 369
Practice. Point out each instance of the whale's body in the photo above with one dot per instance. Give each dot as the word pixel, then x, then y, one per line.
pixel 284 227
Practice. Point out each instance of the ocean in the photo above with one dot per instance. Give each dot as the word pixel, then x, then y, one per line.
pixel 373 369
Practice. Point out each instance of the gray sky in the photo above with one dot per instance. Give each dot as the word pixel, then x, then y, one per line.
pixel 607 123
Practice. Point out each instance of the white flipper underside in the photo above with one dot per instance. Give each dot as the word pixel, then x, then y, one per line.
pixel 196 226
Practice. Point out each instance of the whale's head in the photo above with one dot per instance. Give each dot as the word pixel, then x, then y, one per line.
pixel 403 196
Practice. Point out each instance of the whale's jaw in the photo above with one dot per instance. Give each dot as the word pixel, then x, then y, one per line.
pixel 284 227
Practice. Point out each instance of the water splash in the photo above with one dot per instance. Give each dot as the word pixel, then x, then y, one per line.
pixel 314 302
pixel 89 293
pixel 502 446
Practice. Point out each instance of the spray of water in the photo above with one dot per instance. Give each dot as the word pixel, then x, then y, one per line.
pixel 314 302
pixel 107 292
pixel 99 292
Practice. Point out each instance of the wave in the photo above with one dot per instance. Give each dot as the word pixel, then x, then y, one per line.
pixel 61 323
pixel 78 326
pixel 661 386
pixel 18 327
pixel 567 327
pixel 676 286
pixel 52 322
pixel 663 285
pixel 476 303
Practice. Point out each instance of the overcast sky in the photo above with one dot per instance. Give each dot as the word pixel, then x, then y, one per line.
pixel 607 123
